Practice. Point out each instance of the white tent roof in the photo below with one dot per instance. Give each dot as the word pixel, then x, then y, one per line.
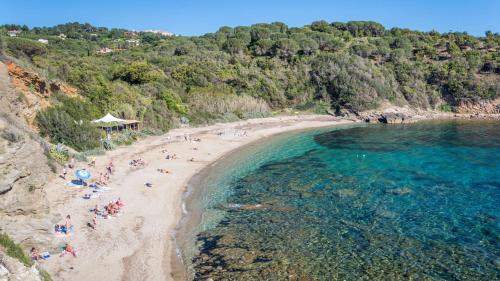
pixel 108 119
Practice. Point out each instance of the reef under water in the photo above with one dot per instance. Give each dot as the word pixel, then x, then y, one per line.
pixel 383 202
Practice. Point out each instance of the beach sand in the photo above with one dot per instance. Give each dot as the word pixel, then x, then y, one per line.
pixel 139 243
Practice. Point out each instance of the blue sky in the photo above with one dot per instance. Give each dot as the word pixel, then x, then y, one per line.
pixel 199 17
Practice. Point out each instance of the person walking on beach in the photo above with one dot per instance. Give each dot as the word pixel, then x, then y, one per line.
pixel 94 222
pixel 110 167
pixel 64 172
pixel 92 162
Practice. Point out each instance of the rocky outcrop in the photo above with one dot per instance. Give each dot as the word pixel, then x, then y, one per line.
pixel 479 107
pixel 13 270
pixel 466 110
pixel 393 117
pixel 34 92
pixel 23 174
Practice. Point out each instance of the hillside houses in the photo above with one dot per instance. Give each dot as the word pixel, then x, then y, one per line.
pixel 133 42
pixel 160 32
pixel 103 51
pixel 13 33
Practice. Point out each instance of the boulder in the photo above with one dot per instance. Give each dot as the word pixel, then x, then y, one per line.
pixel 392 117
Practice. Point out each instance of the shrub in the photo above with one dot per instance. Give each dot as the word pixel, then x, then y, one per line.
pixel 59 153
pixel 218 104
pixel 20 47
pixel 61 128
pixel 138 72
pixel 14 250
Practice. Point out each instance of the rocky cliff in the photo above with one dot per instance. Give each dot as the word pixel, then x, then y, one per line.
pixel 33 92
pixel 23 172
pixel 13 270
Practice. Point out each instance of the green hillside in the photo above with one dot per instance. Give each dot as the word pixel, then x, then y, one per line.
pixel 248 71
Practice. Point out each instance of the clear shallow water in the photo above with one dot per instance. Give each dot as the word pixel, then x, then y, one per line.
pixel 399 202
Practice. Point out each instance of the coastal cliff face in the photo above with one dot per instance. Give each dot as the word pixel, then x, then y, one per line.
pixel 13 270
pixel 33 92
pixel 23 172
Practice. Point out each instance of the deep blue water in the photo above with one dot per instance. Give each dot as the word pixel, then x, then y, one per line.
pixel 383 202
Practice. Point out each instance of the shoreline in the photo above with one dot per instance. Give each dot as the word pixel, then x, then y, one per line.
pixel 192 212
pixel 140 244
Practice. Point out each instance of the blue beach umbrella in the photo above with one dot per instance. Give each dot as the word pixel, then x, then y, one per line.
pixel 82 174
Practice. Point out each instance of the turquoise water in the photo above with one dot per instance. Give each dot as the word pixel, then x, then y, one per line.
pixel 382 202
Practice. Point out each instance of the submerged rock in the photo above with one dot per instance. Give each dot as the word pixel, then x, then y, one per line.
pixel 399 191
pixel 344 192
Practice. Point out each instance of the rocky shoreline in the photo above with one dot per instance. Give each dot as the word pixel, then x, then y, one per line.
pixel 405 115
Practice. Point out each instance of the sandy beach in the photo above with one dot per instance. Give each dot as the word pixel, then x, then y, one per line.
pixel 138 244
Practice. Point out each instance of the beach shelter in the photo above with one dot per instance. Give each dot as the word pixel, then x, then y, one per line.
pixel 110 123
pixel 109 119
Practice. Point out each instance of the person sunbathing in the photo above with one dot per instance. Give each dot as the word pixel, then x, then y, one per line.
pixel 96 210
pixel 34 254
pixel 119 202
pixel 67 223
pixel 68 249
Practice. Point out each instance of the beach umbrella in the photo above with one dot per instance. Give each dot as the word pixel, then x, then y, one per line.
pixel 82 174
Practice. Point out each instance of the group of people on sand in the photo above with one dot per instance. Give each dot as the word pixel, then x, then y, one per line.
pixel 106 176
pixel 137 163
pixel 110 209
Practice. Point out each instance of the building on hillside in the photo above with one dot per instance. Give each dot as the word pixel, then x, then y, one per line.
pixel 111 124
pixel 62 36
pixel 130 33
pixel 43 41
pixel 160 32
pixel 13 33
pixel 133 42
pixel 105 50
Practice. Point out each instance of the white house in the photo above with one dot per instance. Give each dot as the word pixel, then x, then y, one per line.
pixel 160 32
pixel 105 50
pixel 133 42
pixel 43 41
pixel 62 36
pixel 13 33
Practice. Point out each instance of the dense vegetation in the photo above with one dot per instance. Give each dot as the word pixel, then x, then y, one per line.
pixel 249 71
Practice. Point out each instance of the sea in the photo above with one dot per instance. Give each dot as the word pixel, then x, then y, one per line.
pixel 354 202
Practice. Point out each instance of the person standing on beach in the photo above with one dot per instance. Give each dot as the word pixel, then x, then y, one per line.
pixel 110 167
pixel 92 162
pixel 64 172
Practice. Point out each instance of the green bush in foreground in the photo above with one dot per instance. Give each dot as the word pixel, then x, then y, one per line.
pixel 14 250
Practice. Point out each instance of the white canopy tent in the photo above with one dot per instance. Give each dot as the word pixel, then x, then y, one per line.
pixel 109 123
pixel 108 119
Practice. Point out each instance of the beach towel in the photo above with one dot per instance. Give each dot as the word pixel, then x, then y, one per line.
pixel 100 188
pixel 43 256
pixel 74 183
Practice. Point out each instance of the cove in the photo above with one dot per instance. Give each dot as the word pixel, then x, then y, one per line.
pixel 380 202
